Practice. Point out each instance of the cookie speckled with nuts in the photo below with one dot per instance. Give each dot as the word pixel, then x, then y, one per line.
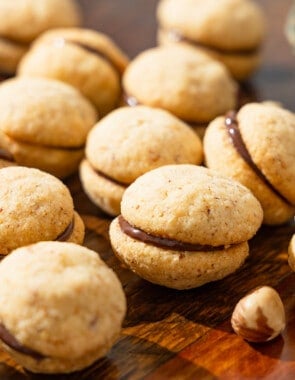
pixel 179 79
pixel 61 307
pixel 230 31
pixel 35 206
pixel 86 59
pixel 182 226
pixel 128 143
pixel 256 147
pixel 22 21
pixel 44 123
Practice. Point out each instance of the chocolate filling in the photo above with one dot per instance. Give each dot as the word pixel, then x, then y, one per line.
pixel 233 131
pixel 176 36
pixel 64 236
pixel 92 50
pixel 165 243
pixel 14 344
pixel 101 174
pixel 5 155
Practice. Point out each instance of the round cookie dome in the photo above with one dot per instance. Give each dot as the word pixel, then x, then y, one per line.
pixel 23 20
pixel 129 142
pixel 182 226
pixel 44 124
pixel 256 147
pixel 61 307
pixel 84 58
pixel 182 80
pixel 35 206
pixel 228 30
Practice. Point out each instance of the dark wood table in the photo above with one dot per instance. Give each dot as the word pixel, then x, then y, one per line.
pixel 170 334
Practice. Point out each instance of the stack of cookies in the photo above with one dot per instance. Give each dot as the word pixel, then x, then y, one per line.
pixel 140 134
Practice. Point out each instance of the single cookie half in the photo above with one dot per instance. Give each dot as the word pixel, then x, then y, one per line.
pixel 44 124
pixel 22 21
pixel 182 80
pixel 231 31
pixel 128 143
pixel 183 226
pixel 256 147
pixel 61 307
pixel 86 59
pixel 35 206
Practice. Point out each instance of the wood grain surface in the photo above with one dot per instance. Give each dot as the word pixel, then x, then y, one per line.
pixel 170 334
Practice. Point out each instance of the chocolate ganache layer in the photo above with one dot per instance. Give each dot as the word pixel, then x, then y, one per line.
pixel 64 236
pixel 60 42
pixel 176 36
pixel 14 344
pixel 234 133
pixel 173 245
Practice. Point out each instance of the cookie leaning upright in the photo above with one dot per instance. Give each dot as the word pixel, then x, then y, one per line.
pixel 22 21
pixel 61 307
pixel 35 206
pixel 129 142
pixel 231 31
pixel 256 147
pixel 44 124
pixel 183 226
pixel 84 58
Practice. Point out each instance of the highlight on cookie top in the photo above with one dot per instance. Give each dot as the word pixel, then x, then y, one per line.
pixel 23 21
pixel 231 31
pixel 129 142
pixel 61 307
pixel 244 146
pixel 88 60
pixel 44 123
pixel 35 206
pixel 182 226
pixel 180 79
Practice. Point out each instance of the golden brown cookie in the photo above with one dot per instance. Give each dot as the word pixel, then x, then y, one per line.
pixel 61 307
pixel 35 206
pixel 256 147
pixel 23 20
pixel 129 142
pixel 230 31
pixel 86 59
pixel 182 80
pixel 44 124
pixel 182 226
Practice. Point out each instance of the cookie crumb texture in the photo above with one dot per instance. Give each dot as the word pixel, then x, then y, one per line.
pixel 62 301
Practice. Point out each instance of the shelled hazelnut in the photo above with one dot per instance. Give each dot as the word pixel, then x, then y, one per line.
pixel 259 316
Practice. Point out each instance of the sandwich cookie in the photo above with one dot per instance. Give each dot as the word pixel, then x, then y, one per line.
pixel 181 80
pixel 35 206
pixel 129 142
pixel 256 147
pixel 61 307
pixel 44 124
pixel 22 21
pixel 182 226
pixel 86 59
pixel 230 31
